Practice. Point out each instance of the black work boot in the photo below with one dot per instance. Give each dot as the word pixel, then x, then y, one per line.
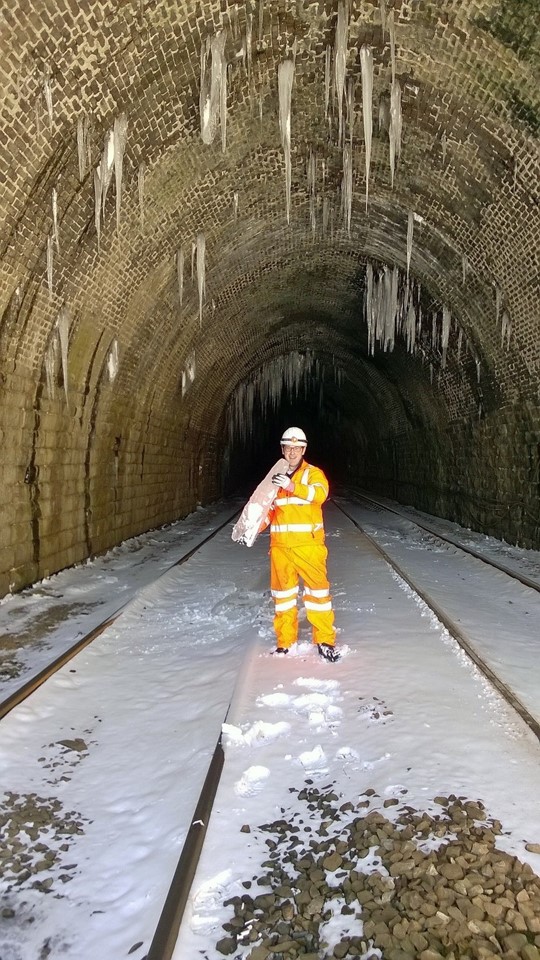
pixel 281 650
pixel 328 652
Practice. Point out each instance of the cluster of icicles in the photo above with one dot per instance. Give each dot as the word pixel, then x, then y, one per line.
pixel 393 308
pixel 287 377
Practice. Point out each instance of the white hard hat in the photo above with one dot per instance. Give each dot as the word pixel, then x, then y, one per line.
pixel 294 437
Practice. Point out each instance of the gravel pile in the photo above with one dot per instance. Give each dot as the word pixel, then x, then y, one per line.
pixel 35 834
pixel 418 885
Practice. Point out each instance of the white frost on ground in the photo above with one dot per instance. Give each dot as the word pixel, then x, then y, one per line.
pixel 402 713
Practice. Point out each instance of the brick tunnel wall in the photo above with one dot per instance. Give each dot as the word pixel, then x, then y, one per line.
pixel 120 354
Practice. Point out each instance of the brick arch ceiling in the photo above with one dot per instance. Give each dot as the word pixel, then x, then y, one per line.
pixel 106 433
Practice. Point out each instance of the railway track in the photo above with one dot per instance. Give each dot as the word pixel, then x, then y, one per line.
pixel 166 932
pixel 33 682
pixel 162 946
pixel 447 538
pixel 448 621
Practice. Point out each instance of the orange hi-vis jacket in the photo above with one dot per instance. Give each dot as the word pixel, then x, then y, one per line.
pixel 296 516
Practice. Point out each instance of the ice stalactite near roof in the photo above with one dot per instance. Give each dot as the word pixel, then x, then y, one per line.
pixel 180 274
pixel 223 104
pixel 189 372
pixel 97 204
pixel 443 147
pixel 51 361
pixel 235 204
pixel 106 167
pixel 113 361
pixel 327 75
pixel 82 145
pixel 201 272
pixel 340 59
pixel 285 82
pixel 249 42
pixel 410 232
pixel 193 254
pixel 351 108
pixel 464 267
pixel 506 329
pixel 312 185
pixel 498 301
pixel 347 185
pixel 382 8
pixel 54 205
pixel 445 334
pixel 50 262
pixel 366 63
pixel 395 127
pixel 291 375
pixel 213 99
pixel 47 94
pixel 141 173
pixel 63 322
pixel 392 36
pixel 120 140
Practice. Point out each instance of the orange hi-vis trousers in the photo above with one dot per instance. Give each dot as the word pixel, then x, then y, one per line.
pixel 287 565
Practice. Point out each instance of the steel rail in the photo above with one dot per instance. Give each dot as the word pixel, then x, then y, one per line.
pixel 27 688
pixel 448 538
pixel 456 632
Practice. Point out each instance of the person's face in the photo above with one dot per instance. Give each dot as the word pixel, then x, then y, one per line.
pixel 293 455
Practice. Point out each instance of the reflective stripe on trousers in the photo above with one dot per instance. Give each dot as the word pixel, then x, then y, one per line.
pixel 287 565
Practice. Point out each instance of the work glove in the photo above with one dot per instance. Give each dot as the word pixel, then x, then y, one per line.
pixel 282 480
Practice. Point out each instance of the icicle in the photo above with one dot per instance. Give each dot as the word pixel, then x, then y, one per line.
pixel 140 185
pixel 431 374
pixel 223 104
pixel 189 372
pixel 347 185
pixel 392 35
pixel 211 94
pixel 410 326
pixel 498 300
pixel 51 360
pixel 340 57
pixel 312 183
pixel 395 127
pixel 446 320
pixel 249 42
pixel 63 321
pixel 107 163
pixel 285 82
pixel 82 135
pixel 180 274
pixel 97 204
pixel 119 141
pixel 327 73
pixel 261 21
pixel 112 361
pixel 382 7
pixel 464 267
pixel 459 342
pixel 235 204
pixel 443 147
pixel 47 93
pixel 434 337
pixel 201 271
pixel 193 252
pixel 350 108
pixel 506 329
pixel 369 307
pixel 410 231
pixel 54 202
pixel 478 368
pixel 366 62
pixel 50 264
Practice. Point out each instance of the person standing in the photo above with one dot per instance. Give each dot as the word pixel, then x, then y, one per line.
pixel 298 551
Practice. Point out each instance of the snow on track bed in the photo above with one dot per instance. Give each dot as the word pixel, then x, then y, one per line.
pixel 498 615
pixel 400 721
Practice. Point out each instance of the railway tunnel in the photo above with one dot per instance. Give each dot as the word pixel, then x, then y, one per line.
pixel 219 219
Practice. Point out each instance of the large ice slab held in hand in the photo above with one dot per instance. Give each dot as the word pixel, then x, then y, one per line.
pixel 256 509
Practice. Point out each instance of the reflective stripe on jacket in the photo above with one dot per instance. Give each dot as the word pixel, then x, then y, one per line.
pixel 296 516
